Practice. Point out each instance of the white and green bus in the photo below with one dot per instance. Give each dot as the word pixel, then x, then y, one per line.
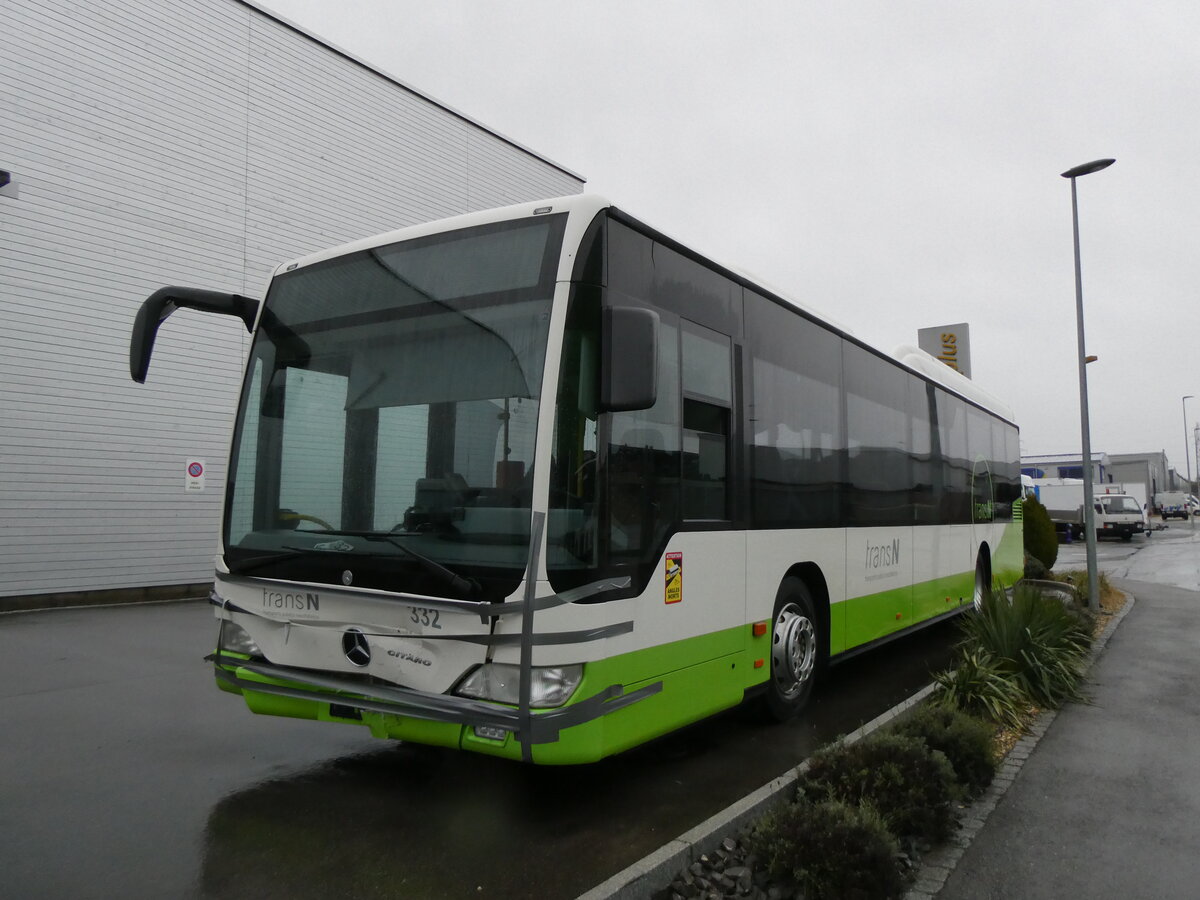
pixel 543 483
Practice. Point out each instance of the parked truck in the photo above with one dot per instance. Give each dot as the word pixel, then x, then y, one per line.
pixel 1172 504
pixel 1117 514
pixel 1137 491
pixel 1134 489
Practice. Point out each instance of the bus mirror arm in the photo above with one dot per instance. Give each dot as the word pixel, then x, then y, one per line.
pixel 158 306
pixel 629 372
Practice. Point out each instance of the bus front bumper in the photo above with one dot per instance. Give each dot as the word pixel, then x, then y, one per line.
pixel 394 711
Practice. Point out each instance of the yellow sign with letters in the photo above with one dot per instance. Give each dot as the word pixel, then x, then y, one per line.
pixel 674 577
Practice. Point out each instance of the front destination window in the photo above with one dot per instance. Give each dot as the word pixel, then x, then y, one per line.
pixel 386 433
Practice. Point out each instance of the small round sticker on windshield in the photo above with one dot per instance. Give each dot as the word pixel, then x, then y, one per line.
pixel 347 578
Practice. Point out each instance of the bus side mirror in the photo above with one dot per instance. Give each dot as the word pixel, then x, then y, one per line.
pixel 158 306
pixel 629 373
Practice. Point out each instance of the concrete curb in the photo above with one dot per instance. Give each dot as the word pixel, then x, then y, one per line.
pixel 937 865
pixel 651 873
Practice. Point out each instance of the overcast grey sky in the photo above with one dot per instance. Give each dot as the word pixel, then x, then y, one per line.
pixel 892 164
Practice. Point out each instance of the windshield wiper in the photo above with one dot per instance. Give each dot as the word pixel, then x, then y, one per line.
pixel 263 559
pixel 466 587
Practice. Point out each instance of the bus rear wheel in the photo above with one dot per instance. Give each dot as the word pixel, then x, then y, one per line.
pixel 983 579
pixel 795 651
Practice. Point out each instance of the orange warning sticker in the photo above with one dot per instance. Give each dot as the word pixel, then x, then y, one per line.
pixel 674 577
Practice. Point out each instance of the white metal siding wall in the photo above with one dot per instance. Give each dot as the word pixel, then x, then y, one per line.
pixel 196 143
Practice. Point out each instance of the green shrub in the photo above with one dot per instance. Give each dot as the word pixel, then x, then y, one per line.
pixel 1041 541
pixel 965 740
pixel 1036 639
pixel 832 850
pixel 909 785
pixel 1034 568
pixel 979 686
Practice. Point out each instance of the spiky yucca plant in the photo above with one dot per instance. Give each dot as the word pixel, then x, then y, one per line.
pixel 980 686
pixel 1035 639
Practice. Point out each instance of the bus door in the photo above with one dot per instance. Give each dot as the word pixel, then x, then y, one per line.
pixel 669 493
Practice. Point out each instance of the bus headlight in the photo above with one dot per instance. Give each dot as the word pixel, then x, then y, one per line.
pixel 500 682
pixel 236 639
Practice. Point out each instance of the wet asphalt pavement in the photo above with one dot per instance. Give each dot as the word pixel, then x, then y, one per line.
pixel 125 772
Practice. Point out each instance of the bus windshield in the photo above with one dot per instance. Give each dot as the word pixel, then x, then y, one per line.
pixel 385 435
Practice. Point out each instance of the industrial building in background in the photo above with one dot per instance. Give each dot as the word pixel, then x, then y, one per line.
pixel 1145 475
pixel 148 143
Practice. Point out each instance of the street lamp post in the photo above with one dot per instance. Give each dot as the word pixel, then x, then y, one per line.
pixel 1196 448
pixel 1186 452
pixel 1089 511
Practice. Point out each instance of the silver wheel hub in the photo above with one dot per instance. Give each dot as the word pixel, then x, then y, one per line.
pixel 793 651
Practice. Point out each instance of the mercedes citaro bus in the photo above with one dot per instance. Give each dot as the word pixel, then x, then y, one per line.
pixel 544 483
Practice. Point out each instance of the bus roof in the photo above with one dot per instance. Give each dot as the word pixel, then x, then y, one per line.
pixel 584 207
pixel 936 370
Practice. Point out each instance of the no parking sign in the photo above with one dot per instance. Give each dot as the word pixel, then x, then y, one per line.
pixel 195 475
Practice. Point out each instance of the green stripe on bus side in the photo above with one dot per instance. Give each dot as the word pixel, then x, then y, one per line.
pixel 934 598
pixel 1008 561
pixel 688 695
pixel 700 676
pixel 872 616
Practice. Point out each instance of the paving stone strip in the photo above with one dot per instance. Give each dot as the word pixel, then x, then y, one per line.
pixel 712 862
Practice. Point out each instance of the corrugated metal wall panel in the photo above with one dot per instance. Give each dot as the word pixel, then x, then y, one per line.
pixel 189 142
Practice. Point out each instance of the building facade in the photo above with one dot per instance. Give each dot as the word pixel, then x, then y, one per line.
pixel 188 142
pixel 1149 470
pixel 1066 465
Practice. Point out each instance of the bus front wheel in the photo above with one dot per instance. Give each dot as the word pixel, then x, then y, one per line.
pixel 795 651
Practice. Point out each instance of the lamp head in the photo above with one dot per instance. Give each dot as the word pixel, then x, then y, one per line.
pixel 1088 168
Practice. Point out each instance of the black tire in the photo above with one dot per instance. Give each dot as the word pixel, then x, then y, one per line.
pixel 1127 537
pixel 983 579
pixel 796 651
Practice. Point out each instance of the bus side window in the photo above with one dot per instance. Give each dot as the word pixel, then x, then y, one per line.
pixel 707 405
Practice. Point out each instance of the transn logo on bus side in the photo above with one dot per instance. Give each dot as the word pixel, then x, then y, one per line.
pixel 882 556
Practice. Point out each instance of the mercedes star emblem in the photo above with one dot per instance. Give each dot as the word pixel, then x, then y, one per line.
pixel 356 648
